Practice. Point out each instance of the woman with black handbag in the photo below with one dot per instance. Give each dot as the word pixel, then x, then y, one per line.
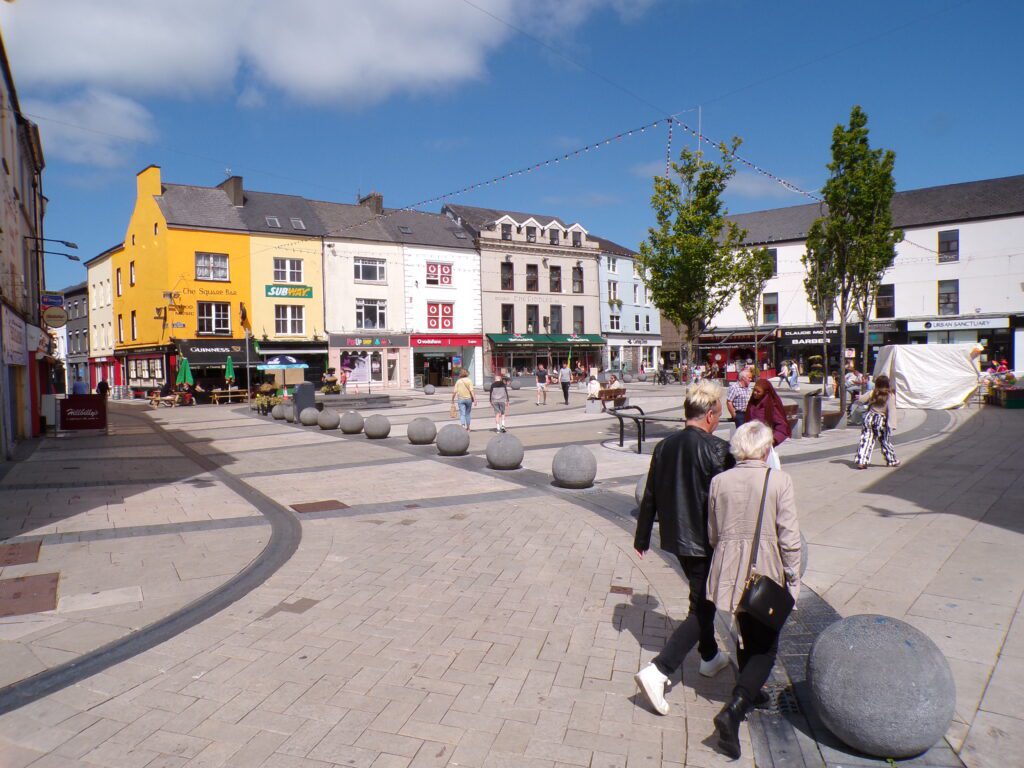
pixel 758 583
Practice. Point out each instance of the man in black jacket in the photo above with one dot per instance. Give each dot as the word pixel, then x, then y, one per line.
pixel 677 494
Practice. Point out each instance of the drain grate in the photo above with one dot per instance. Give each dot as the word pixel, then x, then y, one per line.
pixel 327 505
pixel 28 594
pixel 619 590
pixel 781 700
pixel 20 553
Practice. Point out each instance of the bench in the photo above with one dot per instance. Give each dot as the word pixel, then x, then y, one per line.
pixel 228 395
pixel 616 396
pixel 169 401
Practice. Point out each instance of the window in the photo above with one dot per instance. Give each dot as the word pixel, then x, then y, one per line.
pixel 508 318
pixel 135 327
pixel 636 294
pixel 371 314
pixel 460 235
pixel 556 318
pixel 213 317
pixel 506 231
pixel 289 319
pixel 614 322
pixel 92 296
pixel 133 371
pixel 532 278
pixel 577 320
pixel 287 270
pixel 885 301
pixel 577 239
pixel 273 221
pixel 120 329
pixel 370 270
pixel 613 290
pixel 577 279
pixel 531 234
pixel 555 279
pixel 211 266
pixel 508 281
pixel 612 263
pixel 647 323
pixel 773 253
pixel 532 318
pixel 156 227
pixel 553 236
pixel 949 247
pixel 438 273
pixel 405 230
pixel 440 315
pixel 118 281
pixel 770 308
pixel 298 224
pixel 949 297
pixel 131 273
pixel 636 322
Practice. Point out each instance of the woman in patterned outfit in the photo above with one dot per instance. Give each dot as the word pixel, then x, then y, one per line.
pixel 879 423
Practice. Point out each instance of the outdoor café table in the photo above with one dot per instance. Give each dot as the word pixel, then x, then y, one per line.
pixel 156 400
pixel 227 395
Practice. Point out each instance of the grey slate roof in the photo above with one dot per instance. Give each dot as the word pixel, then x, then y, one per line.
pixel 358 222
pixel 478 218
pixel 259 205
pixel 185 205
pixel 76 289
pixel 950 203
pixel 609 246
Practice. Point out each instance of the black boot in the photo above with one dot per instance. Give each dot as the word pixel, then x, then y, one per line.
pixel 728 724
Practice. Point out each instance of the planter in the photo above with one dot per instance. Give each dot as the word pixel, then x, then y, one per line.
pixel 1007 398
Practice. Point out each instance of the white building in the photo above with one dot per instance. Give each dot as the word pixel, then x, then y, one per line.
pixel 958 277
pixel 103 366
pixel 629 320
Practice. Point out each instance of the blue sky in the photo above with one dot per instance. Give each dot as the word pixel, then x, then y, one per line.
pixel 416 99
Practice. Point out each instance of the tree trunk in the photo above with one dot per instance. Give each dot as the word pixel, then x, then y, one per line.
pixel 865 324
pixel 842 372
pixel 692 334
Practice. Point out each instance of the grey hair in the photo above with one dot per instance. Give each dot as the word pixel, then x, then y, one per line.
pixel 751 441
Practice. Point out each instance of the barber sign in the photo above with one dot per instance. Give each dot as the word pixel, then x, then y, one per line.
pixel 83 412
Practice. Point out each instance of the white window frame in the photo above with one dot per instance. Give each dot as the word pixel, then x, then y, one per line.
pixel 217 314
pixel 613 265
pixel 636 322
pixel 647 323
pixel 381 307
pixel 615 322
pixel 613 290
pixel 289 320
pixel 435 280
pixel 212 267
pixel 135 325
pixel 287 270
pixel 360 262
pixel 131 273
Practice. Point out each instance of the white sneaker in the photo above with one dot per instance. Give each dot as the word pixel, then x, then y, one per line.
pixel 652 683
pixel 715 665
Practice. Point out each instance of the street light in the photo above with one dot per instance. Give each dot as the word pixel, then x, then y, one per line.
pixel 68 256
pixel 65 243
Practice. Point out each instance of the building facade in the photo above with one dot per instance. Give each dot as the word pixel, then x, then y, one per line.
pixel 958 277
pixel 76 304
pixel 103 365
pixel 629 322
pixel 538 288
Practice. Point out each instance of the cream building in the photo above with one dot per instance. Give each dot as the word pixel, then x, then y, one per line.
pixel 103 366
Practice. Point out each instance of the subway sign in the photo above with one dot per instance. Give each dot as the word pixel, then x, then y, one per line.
pixel 290 291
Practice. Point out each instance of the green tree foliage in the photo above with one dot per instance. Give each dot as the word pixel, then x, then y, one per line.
pixel 853 243
pixel 690 257
pixel 754 270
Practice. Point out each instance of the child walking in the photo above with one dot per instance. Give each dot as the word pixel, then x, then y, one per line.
pixel 879 423
pixel 499 402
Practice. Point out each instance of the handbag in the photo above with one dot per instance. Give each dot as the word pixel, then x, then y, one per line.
pixel 763 598
pixel 453 412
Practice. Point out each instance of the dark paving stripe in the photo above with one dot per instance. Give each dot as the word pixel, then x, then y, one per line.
pixel 90 483
pixel 323 468
pixel 285 535
pixel 139 531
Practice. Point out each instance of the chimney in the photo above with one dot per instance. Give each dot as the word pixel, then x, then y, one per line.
pixel 374 201
pixel 233 187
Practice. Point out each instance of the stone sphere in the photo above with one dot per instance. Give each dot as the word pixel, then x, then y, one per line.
pixel 882 686
pixel 515 384
pixel 504 451
pixel 328 419
pixel 428 390
pixel 803 555
pixel 352 423
pixel 627 378
pixel 641 486
pixel 377 427
pixel 289 413
pixel 421 431
pixel 308 416
pixel 452 440
pixel 574 467
pixel 642 377
pixel 277 411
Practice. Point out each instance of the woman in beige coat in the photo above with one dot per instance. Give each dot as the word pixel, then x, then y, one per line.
pixel 733 505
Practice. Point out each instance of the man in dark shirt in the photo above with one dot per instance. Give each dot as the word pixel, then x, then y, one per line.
pixel 677 494
pixel 542 383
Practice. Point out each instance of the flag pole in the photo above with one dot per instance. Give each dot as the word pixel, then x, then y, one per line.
pixel 248 373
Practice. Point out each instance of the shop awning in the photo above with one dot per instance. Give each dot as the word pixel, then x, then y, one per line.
pixel 735 337
pixel 211 352
pixel 519 339
pixel 577 340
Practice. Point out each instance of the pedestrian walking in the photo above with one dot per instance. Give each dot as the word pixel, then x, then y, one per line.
pixel 79 387
pixel 464 397
pixel 499 402
pixel 794 376
pixel 766 406
pixel 564 380
pixel 103 389
pixel 676 494
pixel 784 375
pixel 737 397
pixel 746 503
pixel 542 383
pixel 879 423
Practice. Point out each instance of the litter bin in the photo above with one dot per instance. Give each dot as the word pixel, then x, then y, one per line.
pixel 812 414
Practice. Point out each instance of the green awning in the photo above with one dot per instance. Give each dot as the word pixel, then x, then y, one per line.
pixel 577 340
pixel 520 339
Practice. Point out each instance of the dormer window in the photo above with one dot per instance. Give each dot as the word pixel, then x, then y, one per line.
pixel 298 224
pixel 531 234
pixel 553 236
pixel 273 221
pixel 506 231
pixel 577 239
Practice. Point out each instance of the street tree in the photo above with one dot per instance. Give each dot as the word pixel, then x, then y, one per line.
pixel 690 257
pixel 852 244
pixel 754 271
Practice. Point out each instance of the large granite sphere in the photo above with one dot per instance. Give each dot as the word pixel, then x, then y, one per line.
pixel 515 384
pixel 328 419
pixel 452 440
pixel 352 423
pixel 881 686
pixel 803 555
pixel 277 412
pixel 574 467
pixel 289 413
pixel 642 377
pixel 377 427
pixel 641 486
pixel 308 416
pixel 421 431
pixel 626 378
pixel 504 451
pixel 428 390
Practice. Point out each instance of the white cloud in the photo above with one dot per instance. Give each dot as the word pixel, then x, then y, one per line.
pixel 755 185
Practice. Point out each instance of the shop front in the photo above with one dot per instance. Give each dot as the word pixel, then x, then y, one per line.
pixel 147 368
pixel 733 348
pixel 14 388
pixel 380 360
pixel 806 345
pixel 437 359
pixel 313 353
pixel 208 359
pixel 106 369
pixel 632 353
pixel 995 334
pixel 519 354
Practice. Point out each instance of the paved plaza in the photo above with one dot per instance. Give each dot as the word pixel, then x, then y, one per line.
pixel 429 611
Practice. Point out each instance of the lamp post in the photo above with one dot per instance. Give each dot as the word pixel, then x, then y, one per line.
pixel 68 256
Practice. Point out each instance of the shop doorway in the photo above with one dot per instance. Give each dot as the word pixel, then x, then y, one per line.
pixel 438 368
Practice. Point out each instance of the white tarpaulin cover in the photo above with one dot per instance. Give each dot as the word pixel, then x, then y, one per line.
pixel 932 376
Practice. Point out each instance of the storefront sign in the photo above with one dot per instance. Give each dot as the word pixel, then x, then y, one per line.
pixel 882 326
pixel 51 299
pixel 55 317
pixel 290 291
pixel 387 340
pixel 83 412
pixel 215 351
pixel 446 341
pixel 958 324
pixel 801 336
pixel 158 350
pixel 14 338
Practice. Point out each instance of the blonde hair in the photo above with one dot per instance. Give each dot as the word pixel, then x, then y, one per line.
pixel 751 441
pixel 701 398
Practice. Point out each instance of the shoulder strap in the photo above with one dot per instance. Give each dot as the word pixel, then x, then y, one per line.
pixel 757 530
